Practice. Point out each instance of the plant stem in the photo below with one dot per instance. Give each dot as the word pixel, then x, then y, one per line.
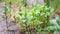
pixel 7 25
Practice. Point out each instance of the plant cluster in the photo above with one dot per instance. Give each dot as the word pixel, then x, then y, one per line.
pixel 33 20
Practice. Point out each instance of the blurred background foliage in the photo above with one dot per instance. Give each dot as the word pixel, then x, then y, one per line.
pixel 53 3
